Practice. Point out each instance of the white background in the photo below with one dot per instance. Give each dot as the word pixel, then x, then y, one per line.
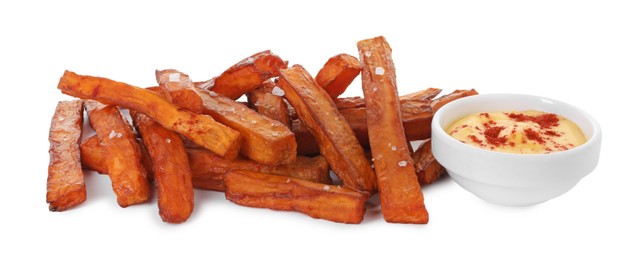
pixel 581 52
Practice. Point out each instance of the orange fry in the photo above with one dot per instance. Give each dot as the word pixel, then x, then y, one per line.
pixel 428 169
pixel 179 90
pixel 201 129
pixel 337 73
pixel 208 169
pixel 443 100
pixel 336 139
pixel 329 202
pixel 246 75
pixel 400 195
pixel 173 178
pixel 65 186
pixel 268 104
pixel 91 153
pixel 93 157
pixel 122 153
pixel 266 140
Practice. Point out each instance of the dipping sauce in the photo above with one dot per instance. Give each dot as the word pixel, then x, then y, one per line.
pixel 527 132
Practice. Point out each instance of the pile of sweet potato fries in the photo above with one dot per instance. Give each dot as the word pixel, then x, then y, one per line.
pixel 275 151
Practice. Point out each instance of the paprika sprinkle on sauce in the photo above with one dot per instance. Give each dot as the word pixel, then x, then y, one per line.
pixel 518 132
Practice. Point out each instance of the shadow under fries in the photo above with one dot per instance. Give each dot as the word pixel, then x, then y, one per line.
pixel 98 188
pixel 205 200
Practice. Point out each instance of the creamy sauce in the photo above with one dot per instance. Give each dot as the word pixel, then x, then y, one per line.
pixel 527 132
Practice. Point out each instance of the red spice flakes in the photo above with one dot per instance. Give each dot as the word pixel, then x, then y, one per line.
pixel 485 115
pixel 512 144
pixel 552 133
pixel 544 120
pixel 533 135
pixel 492 134
pixel 489 123
pixel 475 139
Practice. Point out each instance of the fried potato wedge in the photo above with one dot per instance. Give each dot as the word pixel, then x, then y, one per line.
pixel 443 100
pixel 337 73
pixel 266 140
pixel 93 158
pixel 428 169
pixel 400 196
pixel 65 186
pixel 179 90
pixel 246 75
pixel 201 129
pixel 349 102
pixel 416 115
pixel 123 155
pixel 268 104
pixel 173 178
pixel 208 169
pixel 422 95
pixel 329 202
pixel 335 138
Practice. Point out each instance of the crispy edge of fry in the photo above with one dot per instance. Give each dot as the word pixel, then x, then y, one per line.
pixel 338 73
pixel 266 140
pixel 445 99
pixel 264 102
pixel 322 201
pixel 119 145
pixel 428 169
pixel 173 177
pixel 208 169
pixel 179 90
pixel 65 187
pixel 93 158
pixel 201 129
pixel 336 139
pixel 247 74
pixel 422 95
pixel 399 191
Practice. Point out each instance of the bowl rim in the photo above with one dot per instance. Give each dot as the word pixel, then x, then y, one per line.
pixel 436 126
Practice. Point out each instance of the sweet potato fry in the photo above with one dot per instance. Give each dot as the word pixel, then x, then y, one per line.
pixel 268 104
pixel 208 169
pixel 179 90
pixel 337 73
pixel 416 116
pixel 349 102
pixel 423 95
pixel 173 178
pixel 65 186
pixel 443 100
pixel 91 154
pixel 336 139
pixel 122 153
pixel 246 75
pixel 267 141
pixel 428 169
pixel 400 196
pixel 415 109
pixel 93 157
pixel 329 202
pixel 201 129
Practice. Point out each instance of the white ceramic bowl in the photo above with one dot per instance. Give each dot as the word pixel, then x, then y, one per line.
pixel 514 179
